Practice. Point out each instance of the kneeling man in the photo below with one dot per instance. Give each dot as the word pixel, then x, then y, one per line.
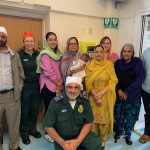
pixel 69 119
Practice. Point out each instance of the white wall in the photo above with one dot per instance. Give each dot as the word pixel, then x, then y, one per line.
pixel 84 28
pixel 130 22
pixel 86 7
pixel 83 19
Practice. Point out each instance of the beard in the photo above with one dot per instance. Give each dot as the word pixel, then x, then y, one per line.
pixel 73 95
pixel 3 44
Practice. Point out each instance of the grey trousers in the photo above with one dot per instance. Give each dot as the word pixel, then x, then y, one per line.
pixel 12 111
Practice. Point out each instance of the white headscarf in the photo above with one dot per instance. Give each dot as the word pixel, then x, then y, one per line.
pixel 3 29
pixel 73 80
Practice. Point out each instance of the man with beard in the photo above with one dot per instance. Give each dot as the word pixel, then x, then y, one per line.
pixel 11 81
pixel 69 119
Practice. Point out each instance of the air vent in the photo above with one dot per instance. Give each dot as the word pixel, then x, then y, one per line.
pixel 119 2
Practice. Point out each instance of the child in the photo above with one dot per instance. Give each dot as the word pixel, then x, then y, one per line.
pixel 78 67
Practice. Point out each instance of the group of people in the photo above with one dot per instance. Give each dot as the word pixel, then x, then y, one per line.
pixel 83 97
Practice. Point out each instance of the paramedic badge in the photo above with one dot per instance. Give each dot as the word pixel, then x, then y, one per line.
pixel 80 108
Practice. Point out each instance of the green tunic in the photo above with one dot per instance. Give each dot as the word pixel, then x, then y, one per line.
pixel 68 122
pixel 29 66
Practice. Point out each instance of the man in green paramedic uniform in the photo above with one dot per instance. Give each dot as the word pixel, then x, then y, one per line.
pixel 69 119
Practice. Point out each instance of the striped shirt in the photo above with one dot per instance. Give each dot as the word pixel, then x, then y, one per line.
pixel 6 81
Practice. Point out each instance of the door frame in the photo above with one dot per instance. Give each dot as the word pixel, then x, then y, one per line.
pixel 21 9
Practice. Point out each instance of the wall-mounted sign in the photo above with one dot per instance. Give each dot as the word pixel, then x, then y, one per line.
pixel 111 22
pixel 114 23
pixel 107 22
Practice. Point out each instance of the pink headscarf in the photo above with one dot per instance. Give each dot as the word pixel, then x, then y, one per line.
pixel 110 55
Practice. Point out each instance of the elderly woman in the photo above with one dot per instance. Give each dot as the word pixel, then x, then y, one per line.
pixel 100 84
pixel 69 56
pixel 30 96
pixel 107 44
pixel 130 73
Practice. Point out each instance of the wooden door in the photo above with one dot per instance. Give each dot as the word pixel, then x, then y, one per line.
pixel 16 26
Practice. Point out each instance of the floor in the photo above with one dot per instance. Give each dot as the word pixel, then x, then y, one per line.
pixel 43 144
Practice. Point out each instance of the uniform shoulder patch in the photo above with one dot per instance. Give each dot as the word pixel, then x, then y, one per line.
pixel 84 97
pixel 58 98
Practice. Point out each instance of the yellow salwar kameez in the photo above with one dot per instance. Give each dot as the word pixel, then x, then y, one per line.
pixel 100 74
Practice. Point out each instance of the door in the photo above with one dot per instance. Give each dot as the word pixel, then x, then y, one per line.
pixel 16 26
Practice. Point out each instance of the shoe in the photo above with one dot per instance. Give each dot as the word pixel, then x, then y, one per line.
pixel 1 138
pixel 15 149
pixel 48 138
pixel 25 140
pixel 128 141
pixel 102 145
pixel 18 148
pixel 144 138
pixel 35 134
pixel 117 136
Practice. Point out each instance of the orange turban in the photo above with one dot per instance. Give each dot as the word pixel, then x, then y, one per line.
pixel 28 34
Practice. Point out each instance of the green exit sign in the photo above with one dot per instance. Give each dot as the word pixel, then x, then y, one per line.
pixel 111 22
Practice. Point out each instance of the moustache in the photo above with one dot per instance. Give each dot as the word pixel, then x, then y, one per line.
pixel 98 55
pixel 73 93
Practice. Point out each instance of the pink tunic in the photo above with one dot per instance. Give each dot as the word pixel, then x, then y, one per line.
pixel 50 72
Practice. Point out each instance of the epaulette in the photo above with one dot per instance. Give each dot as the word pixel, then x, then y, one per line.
pixel 84 97
pixel 59 98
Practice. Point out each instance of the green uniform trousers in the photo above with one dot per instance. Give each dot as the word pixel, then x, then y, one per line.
pixel 30 100
pixel 91 142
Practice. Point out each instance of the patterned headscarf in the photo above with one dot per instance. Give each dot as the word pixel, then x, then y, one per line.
pixel 67 58
pixel 122 64
pixel 127 45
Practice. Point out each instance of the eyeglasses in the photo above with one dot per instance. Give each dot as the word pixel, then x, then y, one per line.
pixel 73 87
pixel 72 43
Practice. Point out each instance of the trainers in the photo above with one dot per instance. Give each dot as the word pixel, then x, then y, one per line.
pixel 49 139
